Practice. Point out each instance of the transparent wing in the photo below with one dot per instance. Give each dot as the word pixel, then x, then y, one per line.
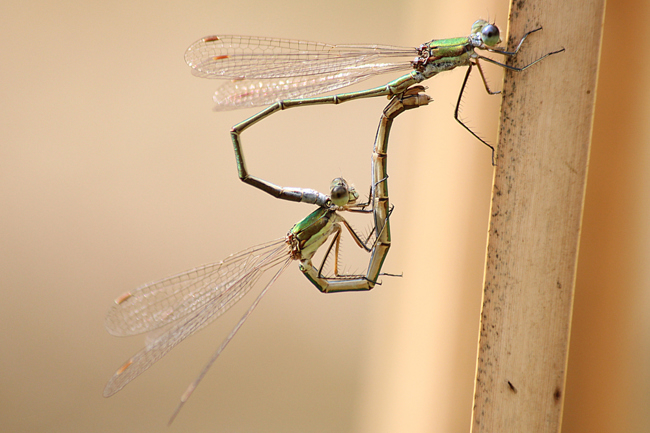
pixel 219 285
pixel 201 317
pixel 190 389
pixel 264 70
pixel 252 93
pixel 250 57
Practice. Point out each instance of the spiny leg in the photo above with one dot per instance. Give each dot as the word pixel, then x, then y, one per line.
pixel 336 240
pixel 515 68
pixel 485 83
pixel 457 111
pixel 514 53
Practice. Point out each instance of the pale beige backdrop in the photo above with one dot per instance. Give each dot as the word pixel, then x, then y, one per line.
pixel 114 171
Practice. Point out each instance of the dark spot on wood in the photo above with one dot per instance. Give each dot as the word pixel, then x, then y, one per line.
pixel 512 387
pixel 557 395
pixel 558 284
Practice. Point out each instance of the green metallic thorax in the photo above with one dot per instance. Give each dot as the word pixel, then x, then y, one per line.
pixel 446 54
pixel 312 232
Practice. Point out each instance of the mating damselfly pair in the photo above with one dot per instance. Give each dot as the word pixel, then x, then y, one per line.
pixel 285 74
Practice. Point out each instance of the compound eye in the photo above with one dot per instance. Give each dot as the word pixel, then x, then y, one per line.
pixel 339 193
pixel 490 35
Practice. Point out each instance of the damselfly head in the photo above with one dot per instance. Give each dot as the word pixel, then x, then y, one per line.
pixel 487 32
pixel 341 193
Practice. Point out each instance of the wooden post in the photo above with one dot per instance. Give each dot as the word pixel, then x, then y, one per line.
pixel 534 231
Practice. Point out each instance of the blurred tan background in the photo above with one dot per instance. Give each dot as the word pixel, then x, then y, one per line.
pixel 114 171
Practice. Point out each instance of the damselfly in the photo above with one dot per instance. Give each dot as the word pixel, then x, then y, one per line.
pixel 288 73
pixel 180 305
